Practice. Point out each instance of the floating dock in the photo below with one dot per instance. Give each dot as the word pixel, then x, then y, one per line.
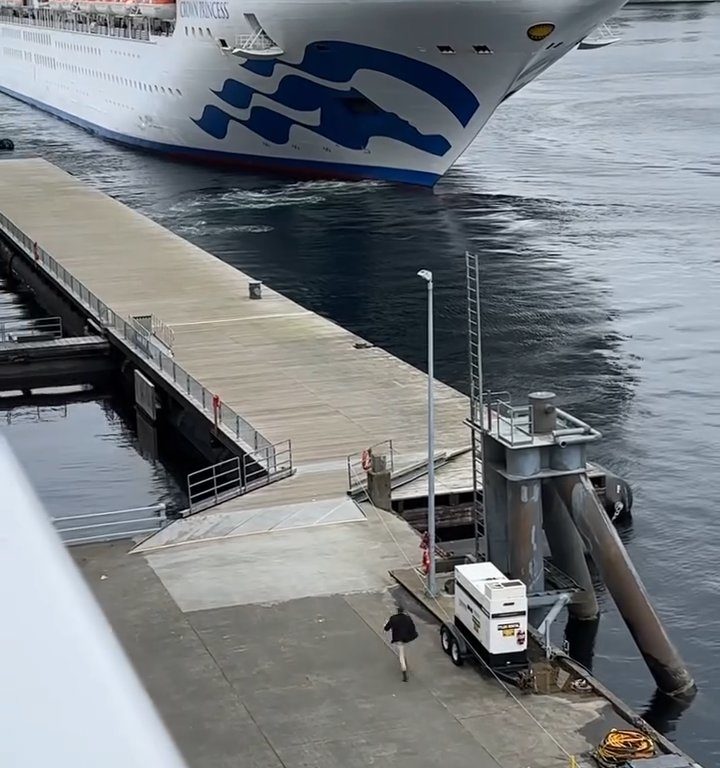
pixel 285 372
pixel 54 362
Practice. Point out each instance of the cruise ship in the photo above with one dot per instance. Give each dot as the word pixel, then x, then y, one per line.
pixel 381 89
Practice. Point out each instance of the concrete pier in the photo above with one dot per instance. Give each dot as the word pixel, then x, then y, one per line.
pixel 284 664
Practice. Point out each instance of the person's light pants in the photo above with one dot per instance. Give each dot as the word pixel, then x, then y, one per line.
pixel 401 656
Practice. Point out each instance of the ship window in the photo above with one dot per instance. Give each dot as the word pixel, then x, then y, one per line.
pixel 446 49
pixel 186 31
pixel 207 29
pixel 482 49
pixel 223 42
pixel 200 31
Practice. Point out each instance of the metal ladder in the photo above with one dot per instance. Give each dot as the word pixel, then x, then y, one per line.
pixel 472 281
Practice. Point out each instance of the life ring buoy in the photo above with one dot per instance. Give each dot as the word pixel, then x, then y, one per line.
pixel 366 460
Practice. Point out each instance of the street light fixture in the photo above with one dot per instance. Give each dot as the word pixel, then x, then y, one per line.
pixel 426 275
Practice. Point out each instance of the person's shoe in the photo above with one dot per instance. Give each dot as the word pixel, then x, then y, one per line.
pixel 405 677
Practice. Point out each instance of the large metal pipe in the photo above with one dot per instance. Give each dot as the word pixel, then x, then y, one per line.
pixel 568 552
pixel 580 637
pixel 624 584
pixel 570 419
pixel 570 431
pixel 525 533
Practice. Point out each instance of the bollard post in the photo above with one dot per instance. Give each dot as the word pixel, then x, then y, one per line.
pixel 378 483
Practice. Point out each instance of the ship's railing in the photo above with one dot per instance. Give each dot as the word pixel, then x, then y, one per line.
pixel 255 41
pixel 137 28
pixel 224 417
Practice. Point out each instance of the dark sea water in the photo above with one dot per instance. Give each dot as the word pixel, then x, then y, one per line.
pixel 593 198
pixel 80 447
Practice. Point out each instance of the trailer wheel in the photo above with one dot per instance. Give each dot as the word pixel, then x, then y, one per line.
pixel 455 653
pixel 445 639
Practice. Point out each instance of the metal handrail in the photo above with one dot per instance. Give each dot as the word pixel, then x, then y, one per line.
pixel 11 330
pixel 259 40
pixel 509 423
pixel 239 475
pixel 154 326
pixel 231 423
pixel 158 510
pixel 108 526
pixel 354 460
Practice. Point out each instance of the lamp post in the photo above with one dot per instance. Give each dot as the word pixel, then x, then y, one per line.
pixel 431 587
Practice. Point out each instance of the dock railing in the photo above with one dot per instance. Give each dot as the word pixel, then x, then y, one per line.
pixel 356 472
pixel 226 419
pixel 156 328
pixel 233 477
pixel 29 329
pixel 507 422
pixel 109 526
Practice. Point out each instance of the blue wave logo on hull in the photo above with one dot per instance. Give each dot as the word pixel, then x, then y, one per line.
pixel 346 116
pixel 338 62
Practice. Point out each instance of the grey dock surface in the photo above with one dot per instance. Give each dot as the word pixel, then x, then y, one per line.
pixel 269 651
pixel 290 373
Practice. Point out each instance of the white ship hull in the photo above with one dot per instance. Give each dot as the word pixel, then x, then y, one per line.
pixel 360 89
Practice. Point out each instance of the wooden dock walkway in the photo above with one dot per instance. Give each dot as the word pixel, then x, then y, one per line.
pixel 290 373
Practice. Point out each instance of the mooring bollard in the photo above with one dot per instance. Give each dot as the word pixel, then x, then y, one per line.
pixel 255 289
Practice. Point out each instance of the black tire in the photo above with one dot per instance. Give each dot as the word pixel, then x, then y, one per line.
pixel 456 654
pixel 445 639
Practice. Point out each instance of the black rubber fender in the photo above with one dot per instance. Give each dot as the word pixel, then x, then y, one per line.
pixel 618 498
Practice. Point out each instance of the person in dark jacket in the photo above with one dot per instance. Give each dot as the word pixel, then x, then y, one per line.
pixel 402 631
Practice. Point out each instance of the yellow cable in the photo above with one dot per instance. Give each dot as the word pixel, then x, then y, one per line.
pixel 619 747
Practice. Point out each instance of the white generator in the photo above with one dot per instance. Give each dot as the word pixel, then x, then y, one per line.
pixel 490 621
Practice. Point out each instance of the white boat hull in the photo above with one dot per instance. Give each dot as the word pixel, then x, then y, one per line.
pixel 361 90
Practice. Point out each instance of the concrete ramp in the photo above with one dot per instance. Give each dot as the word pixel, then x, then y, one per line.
pixel 214 525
